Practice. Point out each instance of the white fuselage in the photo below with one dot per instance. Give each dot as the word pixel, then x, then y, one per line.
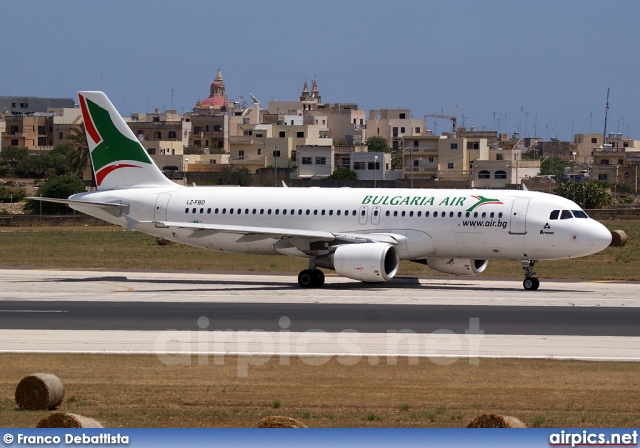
pixel 440 223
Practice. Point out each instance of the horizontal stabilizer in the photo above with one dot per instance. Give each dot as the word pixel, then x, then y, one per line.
pixel 83 203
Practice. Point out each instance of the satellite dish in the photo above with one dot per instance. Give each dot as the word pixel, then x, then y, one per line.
pixel 255 100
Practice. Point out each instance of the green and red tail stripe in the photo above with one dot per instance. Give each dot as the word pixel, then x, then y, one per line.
pixel 113 146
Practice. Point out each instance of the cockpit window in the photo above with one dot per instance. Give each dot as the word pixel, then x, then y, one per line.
pixel 566 214
pixel 579 214
pixel 554 214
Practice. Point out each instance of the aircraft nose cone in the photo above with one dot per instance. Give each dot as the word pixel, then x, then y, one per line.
pixel 600 237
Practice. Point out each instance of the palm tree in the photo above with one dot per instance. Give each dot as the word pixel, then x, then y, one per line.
pixel 79 159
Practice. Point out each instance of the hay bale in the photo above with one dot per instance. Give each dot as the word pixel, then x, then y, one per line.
pixel 67 420
pixel 618 238
pixel 39 391
pixel 495 421
pixel 279 422
pixel 162 241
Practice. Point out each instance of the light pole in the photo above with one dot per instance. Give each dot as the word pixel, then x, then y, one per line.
pixel 375 170
pixel 184 170
pixel 573 172
pixel 411 164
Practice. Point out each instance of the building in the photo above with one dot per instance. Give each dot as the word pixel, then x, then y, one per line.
pixel 393 125
pixel 216 102
pixel 29 105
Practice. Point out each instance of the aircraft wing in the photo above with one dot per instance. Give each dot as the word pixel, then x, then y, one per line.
pixel 255 233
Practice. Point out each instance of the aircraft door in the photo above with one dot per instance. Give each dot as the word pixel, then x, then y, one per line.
pixel 375 215
pixel 518 222
pixel 362 215
pixel 162 204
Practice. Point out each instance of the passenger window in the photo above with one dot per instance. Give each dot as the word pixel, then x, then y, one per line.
pixel 308 211
pixel 338 212
pixel 269 212
pixel 315 212
pixel 395 213
pixel 435 214
pixel 293 212
pixel 354 213
pixel 450 214
pixel 277 211
pixel 362 213
pixel 201 210
pixel 254 211
pixel 331 213
pixel 426 214
pixel 300 211
pixel 475 214
pixel 492 214
pixel 217 210
pixel 284 211
pixel 579 214
pixel 500 215
pixel 566 214
pixel 387 213
pixel 459 214
pixel 375 213
pixel 186 210
pixel 467 214
pixel 322 213
pixel 419 214
pixel 262 211
pixel 231 211
pixel 484 214
pixel 208 211
pixel 403 213
pixel 224 210
pixel 554 214
pixel 411 214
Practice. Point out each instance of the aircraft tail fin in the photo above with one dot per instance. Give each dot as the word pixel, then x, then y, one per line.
pixel 117 157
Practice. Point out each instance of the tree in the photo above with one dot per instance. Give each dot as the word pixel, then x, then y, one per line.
pixel 11 155
pixel 79 158
pixel 587 194
pixel 343 173
pixel 235 176
pixel 60 187
pixel 379 144
pixel 553 166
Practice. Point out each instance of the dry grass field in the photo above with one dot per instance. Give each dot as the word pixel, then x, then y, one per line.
pixel 114 248
pixel 140 391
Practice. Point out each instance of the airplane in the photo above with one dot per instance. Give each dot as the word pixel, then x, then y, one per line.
pixel 360 233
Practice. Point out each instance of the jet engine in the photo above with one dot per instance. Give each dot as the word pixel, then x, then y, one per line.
pixel 458 266
pixel 367 262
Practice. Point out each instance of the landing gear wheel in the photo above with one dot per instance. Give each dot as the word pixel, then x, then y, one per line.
pixel 306 278
pixel 531 283
pixel 319 278
pixel 311 278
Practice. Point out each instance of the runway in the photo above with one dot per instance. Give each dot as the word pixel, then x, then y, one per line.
pixel 221 313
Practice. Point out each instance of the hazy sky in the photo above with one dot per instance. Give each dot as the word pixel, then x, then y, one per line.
pixel 539 66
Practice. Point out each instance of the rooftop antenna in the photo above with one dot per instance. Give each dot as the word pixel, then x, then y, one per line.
pixel 606 111
pixel 171 99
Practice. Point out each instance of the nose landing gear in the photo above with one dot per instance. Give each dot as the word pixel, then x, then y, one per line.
pixel 530 282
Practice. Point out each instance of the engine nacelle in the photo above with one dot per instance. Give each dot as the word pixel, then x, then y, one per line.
pixel 367 262
pixel 458 266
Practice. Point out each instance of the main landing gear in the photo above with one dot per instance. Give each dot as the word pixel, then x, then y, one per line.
pixel 530 282
pixel 312 277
